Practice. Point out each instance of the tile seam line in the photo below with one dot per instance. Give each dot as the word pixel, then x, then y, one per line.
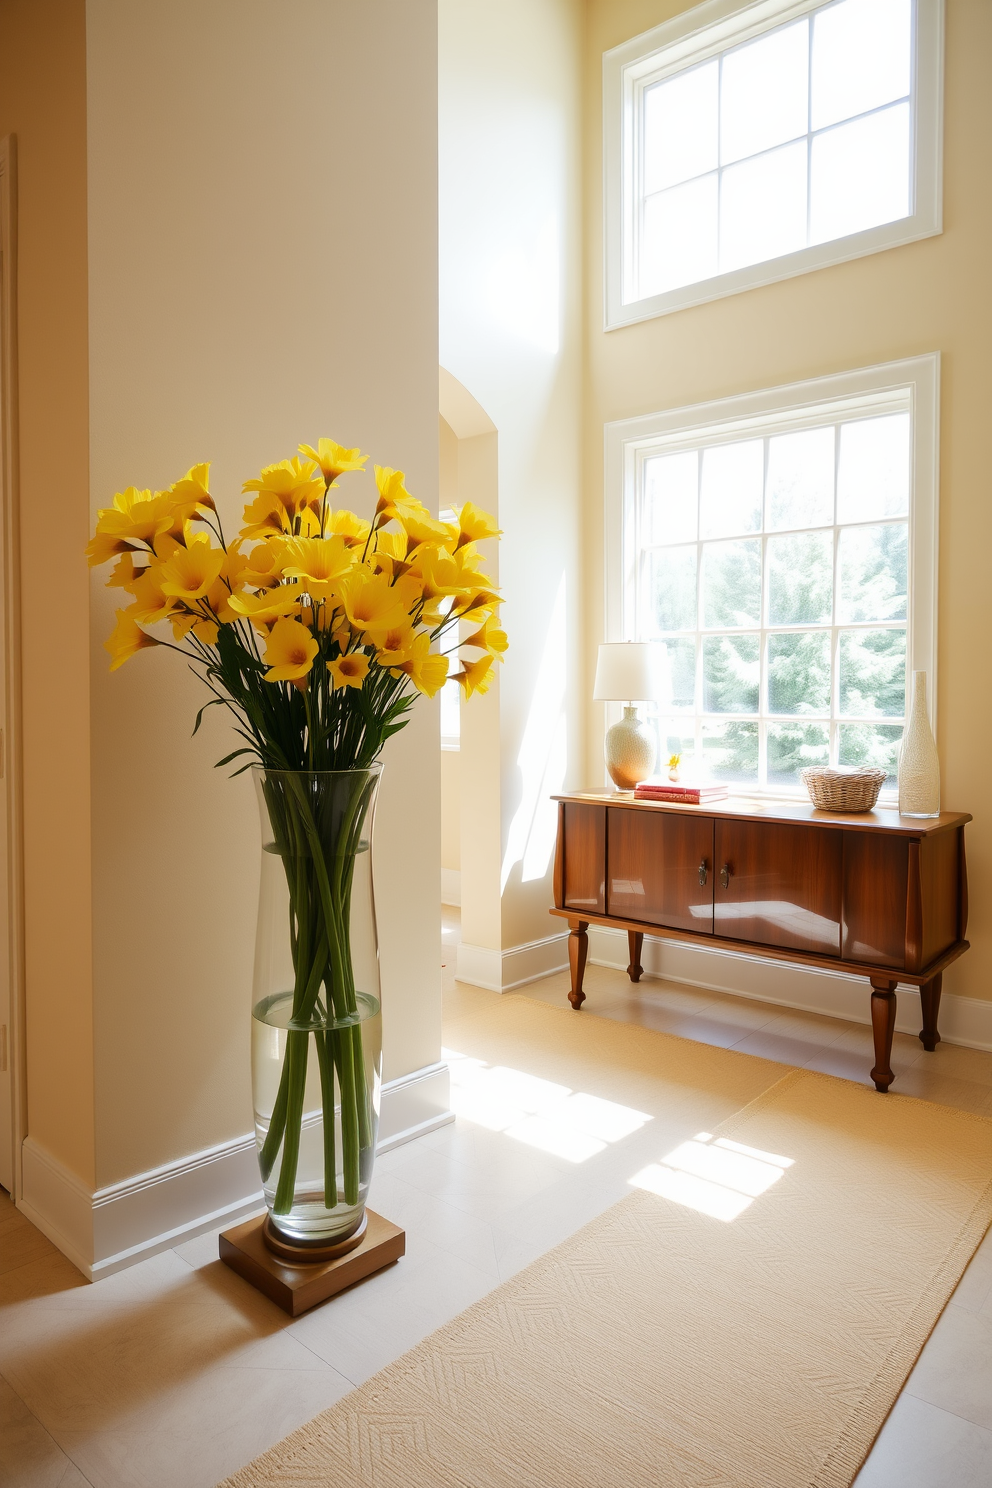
pixel 70 1461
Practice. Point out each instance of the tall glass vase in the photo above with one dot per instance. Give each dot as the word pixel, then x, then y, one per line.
pixel 316 1025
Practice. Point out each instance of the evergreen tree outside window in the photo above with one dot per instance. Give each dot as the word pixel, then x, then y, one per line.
pixel 785 562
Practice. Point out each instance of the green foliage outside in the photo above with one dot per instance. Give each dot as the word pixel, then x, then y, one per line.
pixel 872 575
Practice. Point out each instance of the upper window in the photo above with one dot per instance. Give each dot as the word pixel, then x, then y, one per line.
pixel 745 145
pixel 781 548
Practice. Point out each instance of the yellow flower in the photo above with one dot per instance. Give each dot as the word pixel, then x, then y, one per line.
pixel 291 483
pixel 263 566
pixel 266 517
pixel 394 645
pixel 189 496
pixel 489 638
pixel 290 652
pixel 388 556
pixel 127 639
pixel 317 562
pixel 151 603
pixel 473 525
pixel 476 604
pixel 333 459
pixel 420 527
pixel 105 545
pixel 234 574
pixel 349 671
pixel 272 604
pixel 476 676
pixel 437 575
pixel 354 530
pixel 135 515
pixel 191 571
pixel 205 630
pixel 396 502
pixel 371 602
pixel 124 573
pixel 426 670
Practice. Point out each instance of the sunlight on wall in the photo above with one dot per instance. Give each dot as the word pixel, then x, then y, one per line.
pixel 537 1112
pixel 542 760
pixel 721 1180
pixel 523 291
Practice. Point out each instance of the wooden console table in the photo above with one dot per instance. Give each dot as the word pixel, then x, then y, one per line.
pixel 874 894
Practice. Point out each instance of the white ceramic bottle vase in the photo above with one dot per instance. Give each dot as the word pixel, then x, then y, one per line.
pixel 919 767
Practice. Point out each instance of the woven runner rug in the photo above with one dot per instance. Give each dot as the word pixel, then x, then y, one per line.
pixel 745 1320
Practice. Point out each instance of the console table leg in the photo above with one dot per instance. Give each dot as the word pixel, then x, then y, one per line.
pixel 578 949
pixel 883 1021
pixel 635 939
pixel 930 998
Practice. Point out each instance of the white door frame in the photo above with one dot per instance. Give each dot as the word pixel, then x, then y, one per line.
pixel 10 660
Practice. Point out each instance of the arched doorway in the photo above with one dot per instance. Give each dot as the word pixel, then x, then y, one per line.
pixel 470 748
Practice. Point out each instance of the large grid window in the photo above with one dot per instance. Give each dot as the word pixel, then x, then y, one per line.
pixel 784 561
pixel 764 153
pixel 796 138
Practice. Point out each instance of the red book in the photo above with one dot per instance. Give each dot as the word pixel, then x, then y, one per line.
pixel 691 795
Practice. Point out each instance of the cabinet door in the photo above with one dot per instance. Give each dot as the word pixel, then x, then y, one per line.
pixel 876 881
pixel 779 885
pixel 585 858
pixel 661 868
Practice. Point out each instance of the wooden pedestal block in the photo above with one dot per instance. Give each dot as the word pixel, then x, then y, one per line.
pixel 297 1288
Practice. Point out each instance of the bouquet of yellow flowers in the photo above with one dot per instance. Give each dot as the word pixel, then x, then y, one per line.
pixel 335 613
pixel 316 628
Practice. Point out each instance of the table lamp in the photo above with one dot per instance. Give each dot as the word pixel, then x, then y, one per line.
pixel 629 672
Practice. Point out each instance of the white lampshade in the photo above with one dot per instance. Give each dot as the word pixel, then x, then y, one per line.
pixel 628 672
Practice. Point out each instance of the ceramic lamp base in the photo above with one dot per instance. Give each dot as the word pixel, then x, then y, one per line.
pixel 631 750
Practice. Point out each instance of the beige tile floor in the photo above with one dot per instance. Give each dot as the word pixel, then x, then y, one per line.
pixel 174 1373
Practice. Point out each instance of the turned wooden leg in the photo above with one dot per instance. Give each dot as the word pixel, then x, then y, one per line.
pixel 635 940
pixel 883 1021
pixel 930 998
pixel 578 949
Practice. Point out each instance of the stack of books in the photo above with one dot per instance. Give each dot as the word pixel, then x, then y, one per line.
pixel 681 792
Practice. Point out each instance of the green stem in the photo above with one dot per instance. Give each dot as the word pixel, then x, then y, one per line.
pixel 327 1107
pixel 297 1048
pixel 320 903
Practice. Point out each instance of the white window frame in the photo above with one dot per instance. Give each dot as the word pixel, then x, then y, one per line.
pixel 703 32
pixel 912 384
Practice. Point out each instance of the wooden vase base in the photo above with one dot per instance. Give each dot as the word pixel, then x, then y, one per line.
pixel 297 1285
pixel 304 1254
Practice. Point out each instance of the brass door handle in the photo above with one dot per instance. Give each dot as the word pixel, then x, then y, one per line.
pixel 703 867
pixel 725 873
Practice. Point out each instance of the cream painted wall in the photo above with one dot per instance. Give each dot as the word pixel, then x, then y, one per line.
pixel 43 103
pixel 451 809
pixel 928 296
pixel 510 128
pixel 451 820
pixel 262 252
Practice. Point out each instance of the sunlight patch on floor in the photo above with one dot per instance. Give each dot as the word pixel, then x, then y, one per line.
pixel 717 1177
pixel 553 1118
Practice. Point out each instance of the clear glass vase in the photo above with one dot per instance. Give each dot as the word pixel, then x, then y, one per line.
pixel 316 1024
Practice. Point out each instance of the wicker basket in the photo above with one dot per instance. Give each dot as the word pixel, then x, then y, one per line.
pixel 842 790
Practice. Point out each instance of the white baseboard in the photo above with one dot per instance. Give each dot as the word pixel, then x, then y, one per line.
pixel 963 1020
pixel 451 886
pixel 111 1229
pixel 503 971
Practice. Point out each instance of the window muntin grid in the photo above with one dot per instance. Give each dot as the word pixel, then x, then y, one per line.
pixel 731 170
pixel 776 570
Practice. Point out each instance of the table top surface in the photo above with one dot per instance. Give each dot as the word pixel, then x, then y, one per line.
pixel 744 808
